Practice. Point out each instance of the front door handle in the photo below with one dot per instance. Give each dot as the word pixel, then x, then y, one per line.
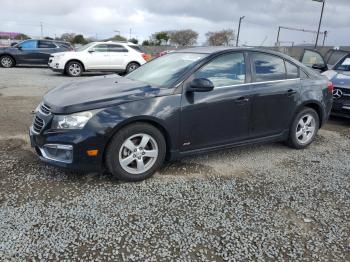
pixel 242 99
pixel 291 92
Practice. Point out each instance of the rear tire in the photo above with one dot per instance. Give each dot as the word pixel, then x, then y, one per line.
pixel 74 69
pixel 7 61
pixel 136 152
pixel 303 129
pixel 131 67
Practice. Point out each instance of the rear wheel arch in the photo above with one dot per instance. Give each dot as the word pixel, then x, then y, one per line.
pixel 315 105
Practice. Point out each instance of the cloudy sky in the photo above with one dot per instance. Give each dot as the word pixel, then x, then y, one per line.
pixel 102 18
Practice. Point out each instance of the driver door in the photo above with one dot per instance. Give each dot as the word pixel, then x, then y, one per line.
pixel 220 116
pixel 98 57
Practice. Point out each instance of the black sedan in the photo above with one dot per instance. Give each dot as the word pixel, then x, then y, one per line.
pixel 340 77
pixel 31 52
pixel 185 102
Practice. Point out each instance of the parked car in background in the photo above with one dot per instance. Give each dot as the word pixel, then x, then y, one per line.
pixel 189 101
pixel 121 57
pixel 340 77
pixel 31 52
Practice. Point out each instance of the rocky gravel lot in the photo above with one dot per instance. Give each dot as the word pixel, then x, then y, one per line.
pixel 261 202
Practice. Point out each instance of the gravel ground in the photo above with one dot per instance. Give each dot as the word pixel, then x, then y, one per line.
pixel 261 202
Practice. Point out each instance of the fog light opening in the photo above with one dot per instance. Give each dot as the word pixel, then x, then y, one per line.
pixel 57 152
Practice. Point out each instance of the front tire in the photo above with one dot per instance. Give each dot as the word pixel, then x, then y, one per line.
pixel 136 152
pixel 131 67
pixel 74 69
pixel 7 61
pixel 303 129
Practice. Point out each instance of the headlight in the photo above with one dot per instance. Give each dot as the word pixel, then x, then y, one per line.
pixel 58 56
pixel 74 121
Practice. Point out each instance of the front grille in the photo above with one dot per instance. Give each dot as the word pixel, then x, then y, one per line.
pixel 45 109
pixel 38 124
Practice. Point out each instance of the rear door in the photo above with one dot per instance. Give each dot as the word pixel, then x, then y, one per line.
pixel 118 55
pixel 98 57
pixel 275 93
pixel 45 49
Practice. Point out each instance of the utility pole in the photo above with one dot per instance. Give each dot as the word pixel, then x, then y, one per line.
pixel 319 24
pixel 278 36
pixel 130 34
pixel 41 29
pixel 239 28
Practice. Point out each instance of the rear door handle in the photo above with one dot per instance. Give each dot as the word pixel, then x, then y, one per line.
pixel 242 99
pixel 291 92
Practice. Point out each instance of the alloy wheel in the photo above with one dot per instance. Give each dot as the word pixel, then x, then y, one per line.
pixel 305 129
pixel 138 153
pixel 6 61
pixel 74 69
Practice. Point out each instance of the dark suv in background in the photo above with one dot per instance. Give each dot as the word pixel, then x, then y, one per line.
pixel 31 52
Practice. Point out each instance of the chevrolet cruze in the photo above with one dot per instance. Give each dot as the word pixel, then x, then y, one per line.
pixel 186 102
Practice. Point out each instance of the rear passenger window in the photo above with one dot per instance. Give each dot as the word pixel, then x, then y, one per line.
pixel 46 44
pixel 292 70
pixel 268 67
pixel 117 48
pixel 100 48
pixel 226 70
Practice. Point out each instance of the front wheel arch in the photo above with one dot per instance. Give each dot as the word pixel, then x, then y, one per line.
pixel 73 60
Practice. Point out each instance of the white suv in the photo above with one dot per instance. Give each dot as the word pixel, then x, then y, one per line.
pixel 121 57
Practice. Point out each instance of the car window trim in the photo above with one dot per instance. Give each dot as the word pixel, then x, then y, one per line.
pixel 260 82
pixel 56 46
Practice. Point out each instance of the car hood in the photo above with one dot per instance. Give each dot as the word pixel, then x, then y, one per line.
pixel 99 92
pixel 338 78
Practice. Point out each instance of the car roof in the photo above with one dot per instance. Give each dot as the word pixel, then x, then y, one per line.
pixel 222 49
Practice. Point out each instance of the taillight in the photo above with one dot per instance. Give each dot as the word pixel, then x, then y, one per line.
pixel 330 87
pixel 147 57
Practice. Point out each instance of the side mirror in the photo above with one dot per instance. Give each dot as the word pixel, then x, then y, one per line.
pixel 320 67
pixel 19 47
pixel 200 85
pixel 91 51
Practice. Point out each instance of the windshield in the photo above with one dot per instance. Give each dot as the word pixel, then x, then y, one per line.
pixel 84 47
pixel 166 70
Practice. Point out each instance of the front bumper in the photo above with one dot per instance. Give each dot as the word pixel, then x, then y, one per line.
pixel 68 148
pixel 56 65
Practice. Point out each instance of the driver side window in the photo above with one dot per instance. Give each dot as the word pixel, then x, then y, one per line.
pixel 225 70
pixel 30 44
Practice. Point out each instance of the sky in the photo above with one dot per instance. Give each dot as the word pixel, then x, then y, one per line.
pixel 105 18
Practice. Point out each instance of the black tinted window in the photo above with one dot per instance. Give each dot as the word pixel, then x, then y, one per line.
pixel 100 48
pixel 46 44
pixel 292 70
pixel 225 70
pixel 117 48
pixel 268 67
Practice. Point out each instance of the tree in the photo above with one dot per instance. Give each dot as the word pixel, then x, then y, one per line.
pixel 134 40
pixel 160 38
pixel 118 38
pixel 68 37
pixel 186 37
pixel 22 37
pixel 223 37
pixel 79 39
pixel 146 43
